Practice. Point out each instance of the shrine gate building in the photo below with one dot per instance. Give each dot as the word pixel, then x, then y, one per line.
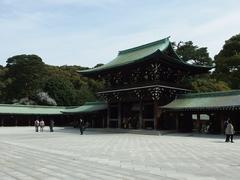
pixel 139 81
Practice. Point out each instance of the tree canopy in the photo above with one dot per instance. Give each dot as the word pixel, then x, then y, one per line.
pixel 228 62
pixel 205 83
pixel 190 52
pixel 25 75
pixel 26 79
pixel 199 56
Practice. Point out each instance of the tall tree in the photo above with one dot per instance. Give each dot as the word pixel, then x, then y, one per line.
pixel 3 83
pixel 204 83
pixel 61 90
pixel 189 52
pixel 25 73
pixel 228 62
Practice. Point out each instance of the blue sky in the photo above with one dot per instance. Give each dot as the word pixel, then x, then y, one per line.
pixel 87 32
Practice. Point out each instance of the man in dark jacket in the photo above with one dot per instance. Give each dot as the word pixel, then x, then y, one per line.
pixel 81 126
pixel 51 125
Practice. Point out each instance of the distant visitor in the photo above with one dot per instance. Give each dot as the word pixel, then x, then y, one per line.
pixel 42 124
pixel 36 124
pixel 81 126
pixel 229 132
pixel 51 125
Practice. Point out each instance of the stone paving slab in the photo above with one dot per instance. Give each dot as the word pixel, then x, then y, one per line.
pixel 65 154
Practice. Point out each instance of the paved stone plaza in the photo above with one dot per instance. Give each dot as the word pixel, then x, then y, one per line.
pixel 65 154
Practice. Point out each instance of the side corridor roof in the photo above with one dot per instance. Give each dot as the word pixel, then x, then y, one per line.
pixel 30 109
pixel 88 107
pixel 213 100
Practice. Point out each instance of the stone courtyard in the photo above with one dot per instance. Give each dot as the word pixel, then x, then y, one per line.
pixel 64 154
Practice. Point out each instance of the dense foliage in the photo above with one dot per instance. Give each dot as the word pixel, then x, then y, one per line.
pixel 192 53
pixel 228 62
pixel 205 83
pixel 25 75
pixel 26 79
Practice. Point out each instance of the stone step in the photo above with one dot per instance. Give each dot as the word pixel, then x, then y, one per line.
pixel 130 131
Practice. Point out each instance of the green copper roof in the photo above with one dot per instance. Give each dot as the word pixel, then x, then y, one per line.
pixel 88 107
pixel 30 109
pixel 211 100
pixel 139 53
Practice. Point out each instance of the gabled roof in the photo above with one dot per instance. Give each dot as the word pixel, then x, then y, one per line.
pixel 212 100
pixel 88 107
pixel 140 53
pixel 30 109
pixel 144 87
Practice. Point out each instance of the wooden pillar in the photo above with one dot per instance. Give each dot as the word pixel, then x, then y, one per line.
pixel 198 122
pixel 141 115
pixel 108 116
pixel 177 121
pixel 16 121
pixel 155 110
pixel 103 119
pixel 29 121
pixel 119 114
pixel 221 118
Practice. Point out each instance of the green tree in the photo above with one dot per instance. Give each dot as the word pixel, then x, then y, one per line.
pixel 61 90
pixel 67 72
pixel 85 94
pixel 24 74
pixel 84 88
pixel 204 83
pixel 98 65
pixel 3 83
pixel 27 80
pixel 189 52
pixel 228 62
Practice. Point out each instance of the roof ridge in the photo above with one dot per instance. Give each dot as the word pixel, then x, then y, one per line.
pixel 30 106
pixel 210 94
pixel 143 46
pixel 93 103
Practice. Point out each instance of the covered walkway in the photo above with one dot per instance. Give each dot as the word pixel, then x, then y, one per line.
pixel 93 113
pixel 25 115
pixel 219 106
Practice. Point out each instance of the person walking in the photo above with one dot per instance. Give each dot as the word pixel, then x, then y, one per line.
pixel 36 124
pixel 81 126
pixel 229 132
pixel 225 126
pixel 51 125
pixel 42 124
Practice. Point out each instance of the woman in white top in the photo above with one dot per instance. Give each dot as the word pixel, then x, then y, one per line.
pixel 42 124
pixel 229 131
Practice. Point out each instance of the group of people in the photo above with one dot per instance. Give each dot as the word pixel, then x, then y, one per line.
pixel 130 122
pixel 41 124
pixel 229 130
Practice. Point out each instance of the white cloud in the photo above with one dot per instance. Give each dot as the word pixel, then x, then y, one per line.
pixel 223 23
pixel 31 3
pixel 213 34
pixel 84 2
